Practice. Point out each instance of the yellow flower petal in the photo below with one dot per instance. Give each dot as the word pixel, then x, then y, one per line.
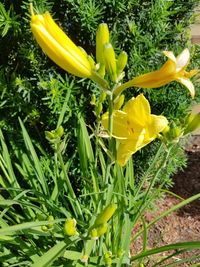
pixel 187 84
pixel 172 70
pixel 120 130
pixel 182 60
pixel 134 127
pixel 170 55
pixel 140 107
pixel 58 46
pixel 128 148
pixel 157 125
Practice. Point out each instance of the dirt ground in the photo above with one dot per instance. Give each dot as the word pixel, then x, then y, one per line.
pixel 184 224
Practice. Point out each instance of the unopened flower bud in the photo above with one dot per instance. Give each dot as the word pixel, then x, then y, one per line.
pixel 119 101
pixel 84 258
pixel 193 123
pixel 99 109
pixel 102 97
pixel 50 218
pixel 106 214
pixel 44 228
pixel 70 227
pixel 92 62
pixel 107 258
pixel 59 132
pixel 94 234
pixel 93 100
pixel 120 253
pixel 110 61
pixel 102 37
pixel 102 229
pixel 49 135
pixel 121 62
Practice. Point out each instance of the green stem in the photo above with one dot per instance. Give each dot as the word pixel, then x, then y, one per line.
pixel 99 80
pixel 118 90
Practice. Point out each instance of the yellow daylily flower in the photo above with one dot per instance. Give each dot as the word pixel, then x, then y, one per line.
pixel 58 46
pixel 172 70
pixel 134 127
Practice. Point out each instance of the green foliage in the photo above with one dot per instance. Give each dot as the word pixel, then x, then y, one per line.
pixel 41 179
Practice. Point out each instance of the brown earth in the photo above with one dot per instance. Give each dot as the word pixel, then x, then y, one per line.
pixel 184 224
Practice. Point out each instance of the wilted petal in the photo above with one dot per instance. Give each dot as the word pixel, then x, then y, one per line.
pixel 188 84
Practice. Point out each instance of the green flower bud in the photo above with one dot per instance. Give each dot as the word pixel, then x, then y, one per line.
pixel 102 37
pixel 102 97
pixel 49 135
pixel 50 218
pixel 106 214
pixel 102 70
pixel 102 229
pixel 119 101
pixel 44 228
pixel 121 62
pixel 94 234
pixel 120 253
pixel 110 61
pixel 59 132
pixel 98 231
pixel 193 123
pixel 93 100
pixel 107 258
pixel 99 109
pixel 84 258
pixel 92 62
pixel 70 227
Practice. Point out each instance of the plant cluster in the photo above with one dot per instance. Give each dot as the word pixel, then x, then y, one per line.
pixel 71 196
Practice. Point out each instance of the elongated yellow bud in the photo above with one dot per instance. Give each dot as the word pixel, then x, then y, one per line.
pixel 102 37
pixel 106 214
pixel 110 61
pixel 70 227
pixel 121 62
pixel 194 123
pixel 58 46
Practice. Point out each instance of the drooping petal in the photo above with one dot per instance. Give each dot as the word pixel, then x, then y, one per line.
pixel 138 110
pixel 182 60
pixel 187 84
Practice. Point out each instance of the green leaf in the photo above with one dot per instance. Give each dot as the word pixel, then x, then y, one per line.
pixel 36 161
pixel 50 256
pixel 184 245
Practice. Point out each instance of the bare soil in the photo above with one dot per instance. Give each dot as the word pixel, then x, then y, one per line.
pixel 184 224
